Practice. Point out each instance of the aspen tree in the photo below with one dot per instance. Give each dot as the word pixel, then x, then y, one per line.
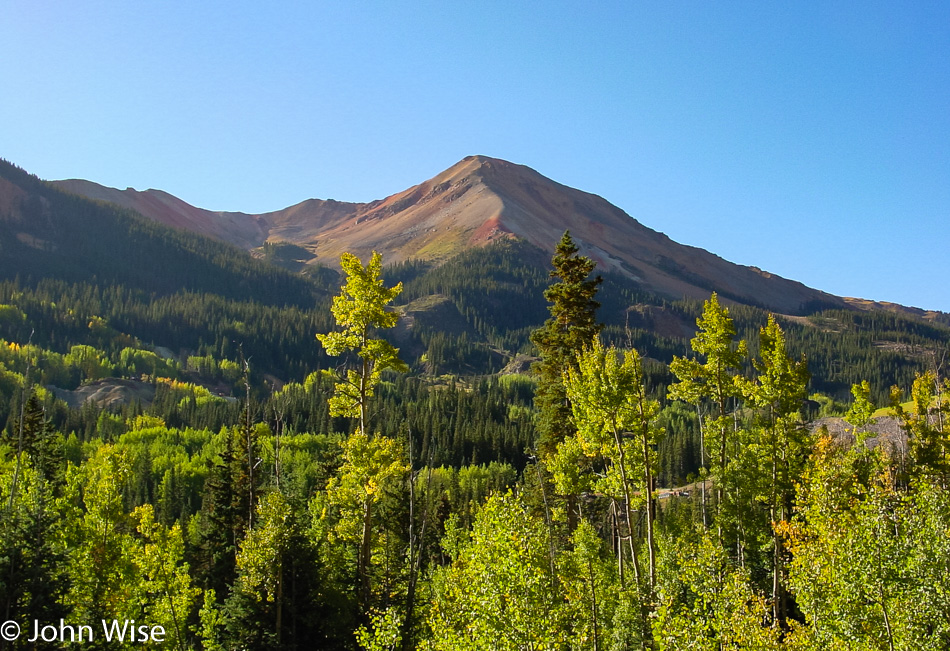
pixel 711 382
pixel 780 442
pixel 616 422
pixel 360 310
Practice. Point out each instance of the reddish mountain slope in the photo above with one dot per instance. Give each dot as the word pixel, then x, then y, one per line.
pixel 477 201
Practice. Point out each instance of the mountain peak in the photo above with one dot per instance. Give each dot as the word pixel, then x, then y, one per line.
pixel 481 160
pixel 480 167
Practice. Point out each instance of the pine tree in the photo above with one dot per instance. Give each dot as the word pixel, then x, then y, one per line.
pixel 44 445
pixel 220 527
pixel 571 326
pixel 33 577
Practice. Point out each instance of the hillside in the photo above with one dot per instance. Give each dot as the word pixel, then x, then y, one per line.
pixel 83 272
pixel 51 234
pixel 239 229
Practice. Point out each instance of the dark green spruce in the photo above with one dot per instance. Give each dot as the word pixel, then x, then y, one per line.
pixel 571 326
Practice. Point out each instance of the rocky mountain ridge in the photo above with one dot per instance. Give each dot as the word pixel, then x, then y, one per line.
pixel 477 201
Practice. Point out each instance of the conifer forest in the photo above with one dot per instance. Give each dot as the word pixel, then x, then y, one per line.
pixel 495 453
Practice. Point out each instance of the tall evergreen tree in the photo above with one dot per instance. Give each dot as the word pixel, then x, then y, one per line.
pixel 571 326
pixel 33 577
pixel 220 526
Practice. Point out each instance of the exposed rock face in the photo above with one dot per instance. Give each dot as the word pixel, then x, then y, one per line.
pixel 475 202
pixel 108 393
pixel 884 430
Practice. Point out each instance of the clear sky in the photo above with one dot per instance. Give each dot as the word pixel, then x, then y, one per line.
pixel 809 139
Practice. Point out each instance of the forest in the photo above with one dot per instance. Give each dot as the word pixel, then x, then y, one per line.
pixel 298 469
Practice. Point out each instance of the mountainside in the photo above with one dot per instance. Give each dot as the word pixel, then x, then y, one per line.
pixel 478 201
pixel 240 229
pixel 48 233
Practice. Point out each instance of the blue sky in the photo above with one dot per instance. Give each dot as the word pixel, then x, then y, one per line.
pixel 809 139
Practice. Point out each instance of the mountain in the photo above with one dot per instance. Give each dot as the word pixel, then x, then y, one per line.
pixel 79 271
pixel 478 201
